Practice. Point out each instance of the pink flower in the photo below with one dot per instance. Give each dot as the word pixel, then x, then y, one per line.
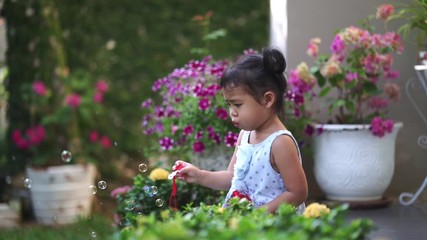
pixel 119 191
pixel 313 47
pixel 198 147
pixel 392 90
pixel 384 11
pixel 73 100
pixel 93 136
pixel 380 127
pixel 105 142
pixel 98 97
pixel 378 103
pixel 39 88
pixel 101 86
pixel 174 128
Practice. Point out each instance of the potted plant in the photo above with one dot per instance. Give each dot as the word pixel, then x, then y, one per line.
pixel 63 141
pixel 354 85
pixel 414 16
pixel 63 136
pixel 190 120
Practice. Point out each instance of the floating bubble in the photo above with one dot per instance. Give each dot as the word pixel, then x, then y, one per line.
pixel 159 202
pixel 66 156
pixel 102 184
pixel 93 234
pixel 116 144
pixel 142 167
pixel 154 190
pixel 130 205
pixel 93 189
pixel 8 179
pixel 27 183
pixel 150 190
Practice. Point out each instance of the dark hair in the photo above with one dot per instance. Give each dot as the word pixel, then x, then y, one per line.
pixel 258 74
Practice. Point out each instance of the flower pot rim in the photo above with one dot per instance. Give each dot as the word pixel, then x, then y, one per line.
pixel 349 126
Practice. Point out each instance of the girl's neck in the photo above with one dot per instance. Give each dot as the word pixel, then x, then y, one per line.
pixel 269 127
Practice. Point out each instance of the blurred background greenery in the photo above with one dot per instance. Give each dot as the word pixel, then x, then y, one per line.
pixel 129 43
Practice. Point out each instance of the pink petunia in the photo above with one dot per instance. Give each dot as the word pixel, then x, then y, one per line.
pixel 166 143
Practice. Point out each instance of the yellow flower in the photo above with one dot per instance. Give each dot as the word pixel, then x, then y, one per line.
pixel 158 174
pixel 316 210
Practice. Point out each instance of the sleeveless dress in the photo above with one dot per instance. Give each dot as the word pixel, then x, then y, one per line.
pixel 253 174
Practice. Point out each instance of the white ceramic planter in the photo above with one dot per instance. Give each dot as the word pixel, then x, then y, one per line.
pixel 215 159
pixel 60 194
pixel 351 164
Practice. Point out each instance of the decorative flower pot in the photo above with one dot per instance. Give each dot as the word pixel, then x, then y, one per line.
pixel 351 164
pixel 60 194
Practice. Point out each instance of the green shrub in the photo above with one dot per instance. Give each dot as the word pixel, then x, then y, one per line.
pixel 241 221
pixel 150 197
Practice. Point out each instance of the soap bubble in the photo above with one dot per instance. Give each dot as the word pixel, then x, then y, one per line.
pixel 66 156
pixel 159 202
pixel 93 189
pixel 27 183
pixel 142 167
pixel 102 184
pixel 150 190
pixel 130 205
pixel 93 234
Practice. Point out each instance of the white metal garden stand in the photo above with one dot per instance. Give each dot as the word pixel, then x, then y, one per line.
pixel 421 70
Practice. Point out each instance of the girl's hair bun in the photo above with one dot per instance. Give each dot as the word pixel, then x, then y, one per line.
pixel 274 61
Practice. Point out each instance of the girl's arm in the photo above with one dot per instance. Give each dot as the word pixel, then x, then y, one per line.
pixel 286 159
pixel 219 180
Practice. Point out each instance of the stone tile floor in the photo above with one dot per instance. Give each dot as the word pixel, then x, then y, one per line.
pixel 396 222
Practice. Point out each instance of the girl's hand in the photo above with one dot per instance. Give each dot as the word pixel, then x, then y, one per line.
pixel 187 172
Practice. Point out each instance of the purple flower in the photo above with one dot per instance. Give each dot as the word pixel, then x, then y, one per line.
pixel 221 113
pixel 230 139
pixel 338 45
pixel 166 143
pixel 147 103
pixel 204 104
pixel 198 147
pixel 188 130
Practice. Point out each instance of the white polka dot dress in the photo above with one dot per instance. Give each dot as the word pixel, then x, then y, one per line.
pixel 253 174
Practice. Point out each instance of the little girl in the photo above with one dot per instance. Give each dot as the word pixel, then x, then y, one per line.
pixel 266 165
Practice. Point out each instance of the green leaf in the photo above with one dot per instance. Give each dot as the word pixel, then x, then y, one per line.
pixel 325 91
pixel 215 34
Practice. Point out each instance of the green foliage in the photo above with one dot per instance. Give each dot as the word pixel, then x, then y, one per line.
pixel 96 227
pixel 241 221
pixel 414 15
pixel 151 197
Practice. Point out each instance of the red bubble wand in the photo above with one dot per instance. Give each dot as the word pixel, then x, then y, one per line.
pixel 174 188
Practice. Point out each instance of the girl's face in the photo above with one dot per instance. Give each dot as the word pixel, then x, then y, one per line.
pixel 245 112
